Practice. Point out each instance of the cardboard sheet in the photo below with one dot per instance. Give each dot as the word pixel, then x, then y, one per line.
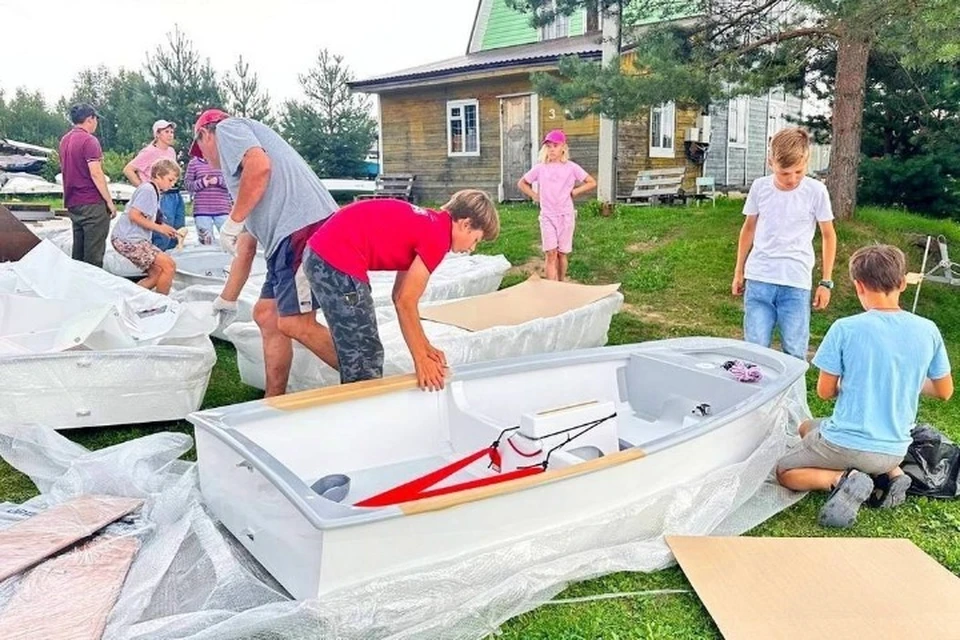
pixel 71 596
pixel 529 300
pixel 837 588
pixel 30 541
pixel 16 239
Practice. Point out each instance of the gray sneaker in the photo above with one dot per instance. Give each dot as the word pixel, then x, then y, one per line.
pixel 896 492
pixel 845 500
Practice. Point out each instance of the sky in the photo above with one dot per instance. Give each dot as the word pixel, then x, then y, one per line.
pixel 46 42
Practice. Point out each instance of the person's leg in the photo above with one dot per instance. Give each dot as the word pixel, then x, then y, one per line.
pixel 296 304
pixel 277 348
pixel 552 264
pixel 759 313
pixel 348 307
pixel 167 271
pixel 793 319
pixel 76 220
pixel 564 245
pixel 204 225
pixel 549 241
pixel 153 273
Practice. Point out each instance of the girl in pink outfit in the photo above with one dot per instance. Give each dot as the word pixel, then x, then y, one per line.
pixel 557 177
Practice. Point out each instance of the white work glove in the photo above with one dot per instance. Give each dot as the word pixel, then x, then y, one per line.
pixel 229 233
pixel 227 307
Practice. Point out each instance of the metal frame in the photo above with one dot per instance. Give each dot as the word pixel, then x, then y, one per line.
pixel 948 276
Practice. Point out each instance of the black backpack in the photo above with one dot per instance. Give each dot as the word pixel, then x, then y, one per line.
pixel 933 463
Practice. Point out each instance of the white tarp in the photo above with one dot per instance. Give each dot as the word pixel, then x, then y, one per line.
pixel 192 581
pixel 60 233
pixel 580 328
pixel 458 276
pixel 81 347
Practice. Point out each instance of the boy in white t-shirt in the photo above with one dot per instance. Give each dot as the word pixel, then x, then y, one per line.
pixel 782 212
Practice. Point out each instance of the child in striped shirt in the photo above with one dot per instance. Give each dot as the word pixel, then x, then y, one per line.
pixel 211 200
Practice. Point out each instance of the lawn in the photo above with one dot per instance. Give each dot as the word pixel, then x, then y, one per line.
pixel 675 266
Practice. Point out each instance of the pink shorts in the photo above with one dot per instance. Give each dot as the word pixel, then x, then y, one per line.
pixel 556 232
pixel 142 253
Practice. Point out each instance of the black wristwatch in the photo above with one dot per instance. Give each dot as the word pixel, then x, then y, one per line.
pixel 827 283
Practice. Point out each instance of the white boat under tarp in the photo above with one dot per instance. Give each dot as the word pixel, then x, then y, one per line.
pixel 459 275
pixel 550 316
pixel 336 488
pixel 59 231
pixel 80 347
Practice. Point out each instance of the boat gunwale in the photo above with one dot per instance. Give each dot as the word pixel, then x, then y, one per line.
pixel 301 496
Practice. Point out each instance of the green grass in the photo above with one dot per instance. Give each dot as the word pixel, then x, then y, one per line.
pixel 675 266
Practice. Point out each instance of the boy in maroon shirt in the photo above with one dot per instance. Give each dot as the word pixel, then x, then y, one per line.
pixel 85 193
pixel 389 235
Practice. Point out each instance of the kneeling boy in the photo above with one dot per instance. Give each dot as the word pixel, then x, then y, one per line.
pixel 876 364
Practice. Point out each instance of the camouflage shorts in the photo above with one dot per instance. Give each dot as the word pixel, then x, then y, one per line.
pixel 347 305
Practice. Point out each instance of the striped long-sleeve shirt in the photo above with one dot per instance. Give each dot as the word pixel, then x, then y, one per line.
pixel 212 199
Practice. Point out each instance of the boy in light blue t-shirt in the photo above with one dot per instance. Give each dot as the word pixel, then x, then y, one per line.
pixel 876 364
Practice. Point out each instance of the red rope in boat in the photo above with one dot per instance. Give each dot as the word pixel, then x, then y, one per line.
pixel 420 487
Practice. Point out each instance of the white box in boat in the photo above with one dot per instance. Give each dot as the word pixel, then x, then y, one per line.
pixel 680 415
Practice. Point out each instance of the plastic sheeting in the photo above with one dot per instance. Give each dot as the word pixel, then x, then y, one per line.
pixel 580 328
pixel 86 348
pixel 458 276
pixel 190 580
pixel 60 233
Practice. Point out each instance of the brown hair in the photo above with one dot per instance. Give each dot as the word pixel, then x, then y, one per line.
pixel 789 147
pixel 477 207
pixel 879 267
pixel 164 167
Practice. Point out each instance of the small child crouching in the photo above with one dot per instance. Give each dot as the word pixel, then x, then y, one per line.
pixel 131 236
pixel 876 364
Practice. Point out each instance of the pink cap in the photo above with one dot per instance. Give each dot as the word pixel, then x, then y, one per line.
pixel 557 136
pixel 209 116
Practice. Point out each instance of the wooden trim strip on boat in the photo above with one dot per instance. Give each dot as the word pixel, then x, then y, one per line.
pixel 480 493
pixel 342 393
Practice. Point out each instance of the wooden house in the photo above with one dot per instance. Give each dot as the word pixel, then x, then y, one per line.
pixel 475 121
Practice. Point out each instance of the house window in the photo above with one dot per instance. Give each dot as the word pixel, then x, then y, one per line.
pixel 663 120
pixel 559 28
pixel 463 128
pixel 739 110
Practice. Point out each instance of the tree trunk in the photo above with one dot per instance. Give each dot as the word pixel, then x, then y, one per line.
pixel 853 50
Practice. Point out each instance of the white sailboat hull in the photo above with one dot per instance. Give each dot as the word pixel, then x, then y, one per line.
pixel 258 460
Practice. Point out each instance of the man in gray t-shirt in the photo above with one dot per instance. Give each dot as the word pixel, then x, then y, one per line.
pixel 278 200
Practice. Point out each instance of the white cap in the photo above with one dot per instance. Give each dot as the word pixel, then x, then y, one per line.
pixel 162 124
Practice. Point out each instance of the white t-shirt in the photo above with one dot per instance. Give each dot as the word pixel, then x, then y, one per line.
pixel 786 222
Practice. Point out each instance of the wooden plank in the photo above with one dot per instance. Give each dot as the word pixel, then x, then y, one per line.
pixel 70 597
pixel 801 588
pixel 666 171
pixel 342 393
pixel 28 542
pixel 653 182
pixel 480 493
pixel 26 206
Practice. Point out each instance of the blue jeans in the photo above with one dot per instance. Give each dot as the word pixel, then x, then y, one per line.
pixel 173 213
pixel 766 306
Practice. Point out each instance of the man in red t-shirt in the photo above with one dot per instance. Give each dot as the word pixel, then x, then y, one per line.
pixel 85 193
pixel 389 235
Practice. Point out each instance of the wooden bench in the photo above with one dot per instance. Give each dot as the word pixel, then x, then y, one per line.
pixel 655 185
pixel 392 185
pixel 29 211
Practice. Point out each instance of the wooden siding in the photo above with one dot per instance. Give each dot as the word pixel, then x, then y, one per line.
pixel 633 149
pixel 415 136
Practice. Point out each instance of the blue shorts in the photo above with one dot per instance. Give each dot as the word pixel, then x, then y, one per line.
pixel 286 282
